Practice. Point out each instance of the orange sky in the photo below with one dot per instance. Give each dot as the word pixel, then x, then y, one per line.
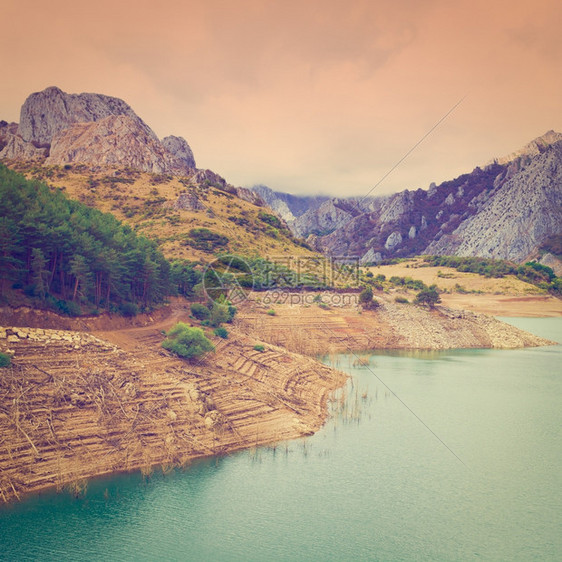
pixel 307 95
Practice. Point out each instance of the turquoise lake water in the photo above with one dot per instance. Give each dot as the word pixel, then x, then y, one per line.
pixel 431 456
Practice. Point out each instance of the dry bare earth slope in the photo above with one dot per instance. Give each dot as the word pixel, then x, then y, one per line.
pixel 77 405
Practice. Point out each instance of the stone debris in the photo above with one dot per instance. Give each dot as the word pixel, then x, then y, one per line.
pixel 76 340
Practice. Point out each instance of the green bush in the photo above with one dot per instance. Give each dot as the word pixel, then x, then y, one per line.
pixel 200 311
pixel 128 309
pixel 429 297
pixel 271 312
pixel 366 299
pixel 270 219
pixel 366 296
pixel 221 332
pixel 219 314
pixel 186 341
pixel 206 240
pixel 68 308
pixel 259 347
pixel 401 300
pixel 5 360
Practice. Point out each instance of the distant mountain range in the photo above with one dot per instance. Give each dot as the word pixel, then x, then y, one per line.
pixel 506 209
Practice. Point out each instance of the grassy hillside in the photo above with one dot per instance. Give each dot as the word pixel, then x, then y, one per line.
pixel 151 204
pixel 450 280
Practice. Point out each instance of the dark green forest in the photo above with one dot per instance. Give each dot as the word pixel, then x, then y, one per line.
pixel 74 259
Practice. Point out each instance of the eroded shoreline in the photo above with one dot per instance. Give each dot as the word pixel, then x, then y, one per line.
pixel 77 405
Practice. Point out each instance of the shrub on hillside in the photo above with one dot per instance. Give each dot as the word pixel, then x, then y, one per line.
pixel 221 332
pixel 366 296
pixel 5 360
pixel 270 219
pixel 366 299
pixel 219 313
pixel 206 240
pixel 200 311
pixel 187 342
pixel 429 297
pixel 128 309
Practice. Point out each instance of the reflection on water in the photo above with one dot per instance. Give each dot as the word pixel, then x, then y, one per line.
pixel 378 482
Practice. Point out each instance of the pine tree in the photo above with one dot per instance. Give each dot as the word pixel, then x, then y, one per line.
pixel 38 263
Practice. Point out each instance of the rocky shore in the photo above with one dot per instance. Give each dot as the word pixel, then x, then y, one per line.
pixel 74 404
pixel 315 330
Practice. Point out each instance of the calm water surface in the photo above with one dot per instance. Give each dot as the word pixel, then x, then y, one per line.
pixel 428 456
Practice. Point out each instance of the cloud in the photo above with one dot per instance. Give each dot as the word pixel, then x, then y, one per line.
pixel 305 95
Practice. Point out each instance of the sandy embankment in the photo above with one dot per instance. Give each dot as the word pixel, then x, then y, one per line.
pixel 532 306
pixel 76 405
pixel 313 331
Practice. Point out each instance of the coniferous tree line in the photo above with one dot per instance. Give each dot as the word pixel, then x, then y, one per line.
pixel 66 254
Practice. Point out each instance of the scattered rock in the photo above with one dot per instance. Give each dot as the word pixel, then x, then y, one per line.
pixel 395 239
pixel 213 419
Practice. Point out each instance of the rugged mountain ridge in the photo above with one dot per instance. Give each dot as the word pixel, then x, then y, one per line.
pixel 289 207
pixel 516 217
pixel 534 148
pixel 59 128
pixel 505 210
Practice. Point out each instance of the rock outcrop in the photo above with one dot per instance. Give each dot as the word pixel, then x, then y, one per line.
pixel 46 113
pixel 534 148
pixel 18 149
pixel 92 129
pixel 180 150
pixel 325 219
pixel 520 215
pixel 188 201
pixel 505 210
pixel 7 130
pixel 289 207
pixel 117 140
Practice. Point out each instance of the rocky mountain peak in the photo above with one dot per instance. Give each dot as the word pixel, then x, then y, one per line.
pixel 503 211
pixel 45 113
pixel 535 147
pixel 91 128
pixel 178 147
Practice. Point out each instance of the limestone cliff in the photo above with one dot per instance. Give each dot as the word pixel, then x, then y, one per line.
pixel 116 140
pixel 517 217
pixel 93 129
